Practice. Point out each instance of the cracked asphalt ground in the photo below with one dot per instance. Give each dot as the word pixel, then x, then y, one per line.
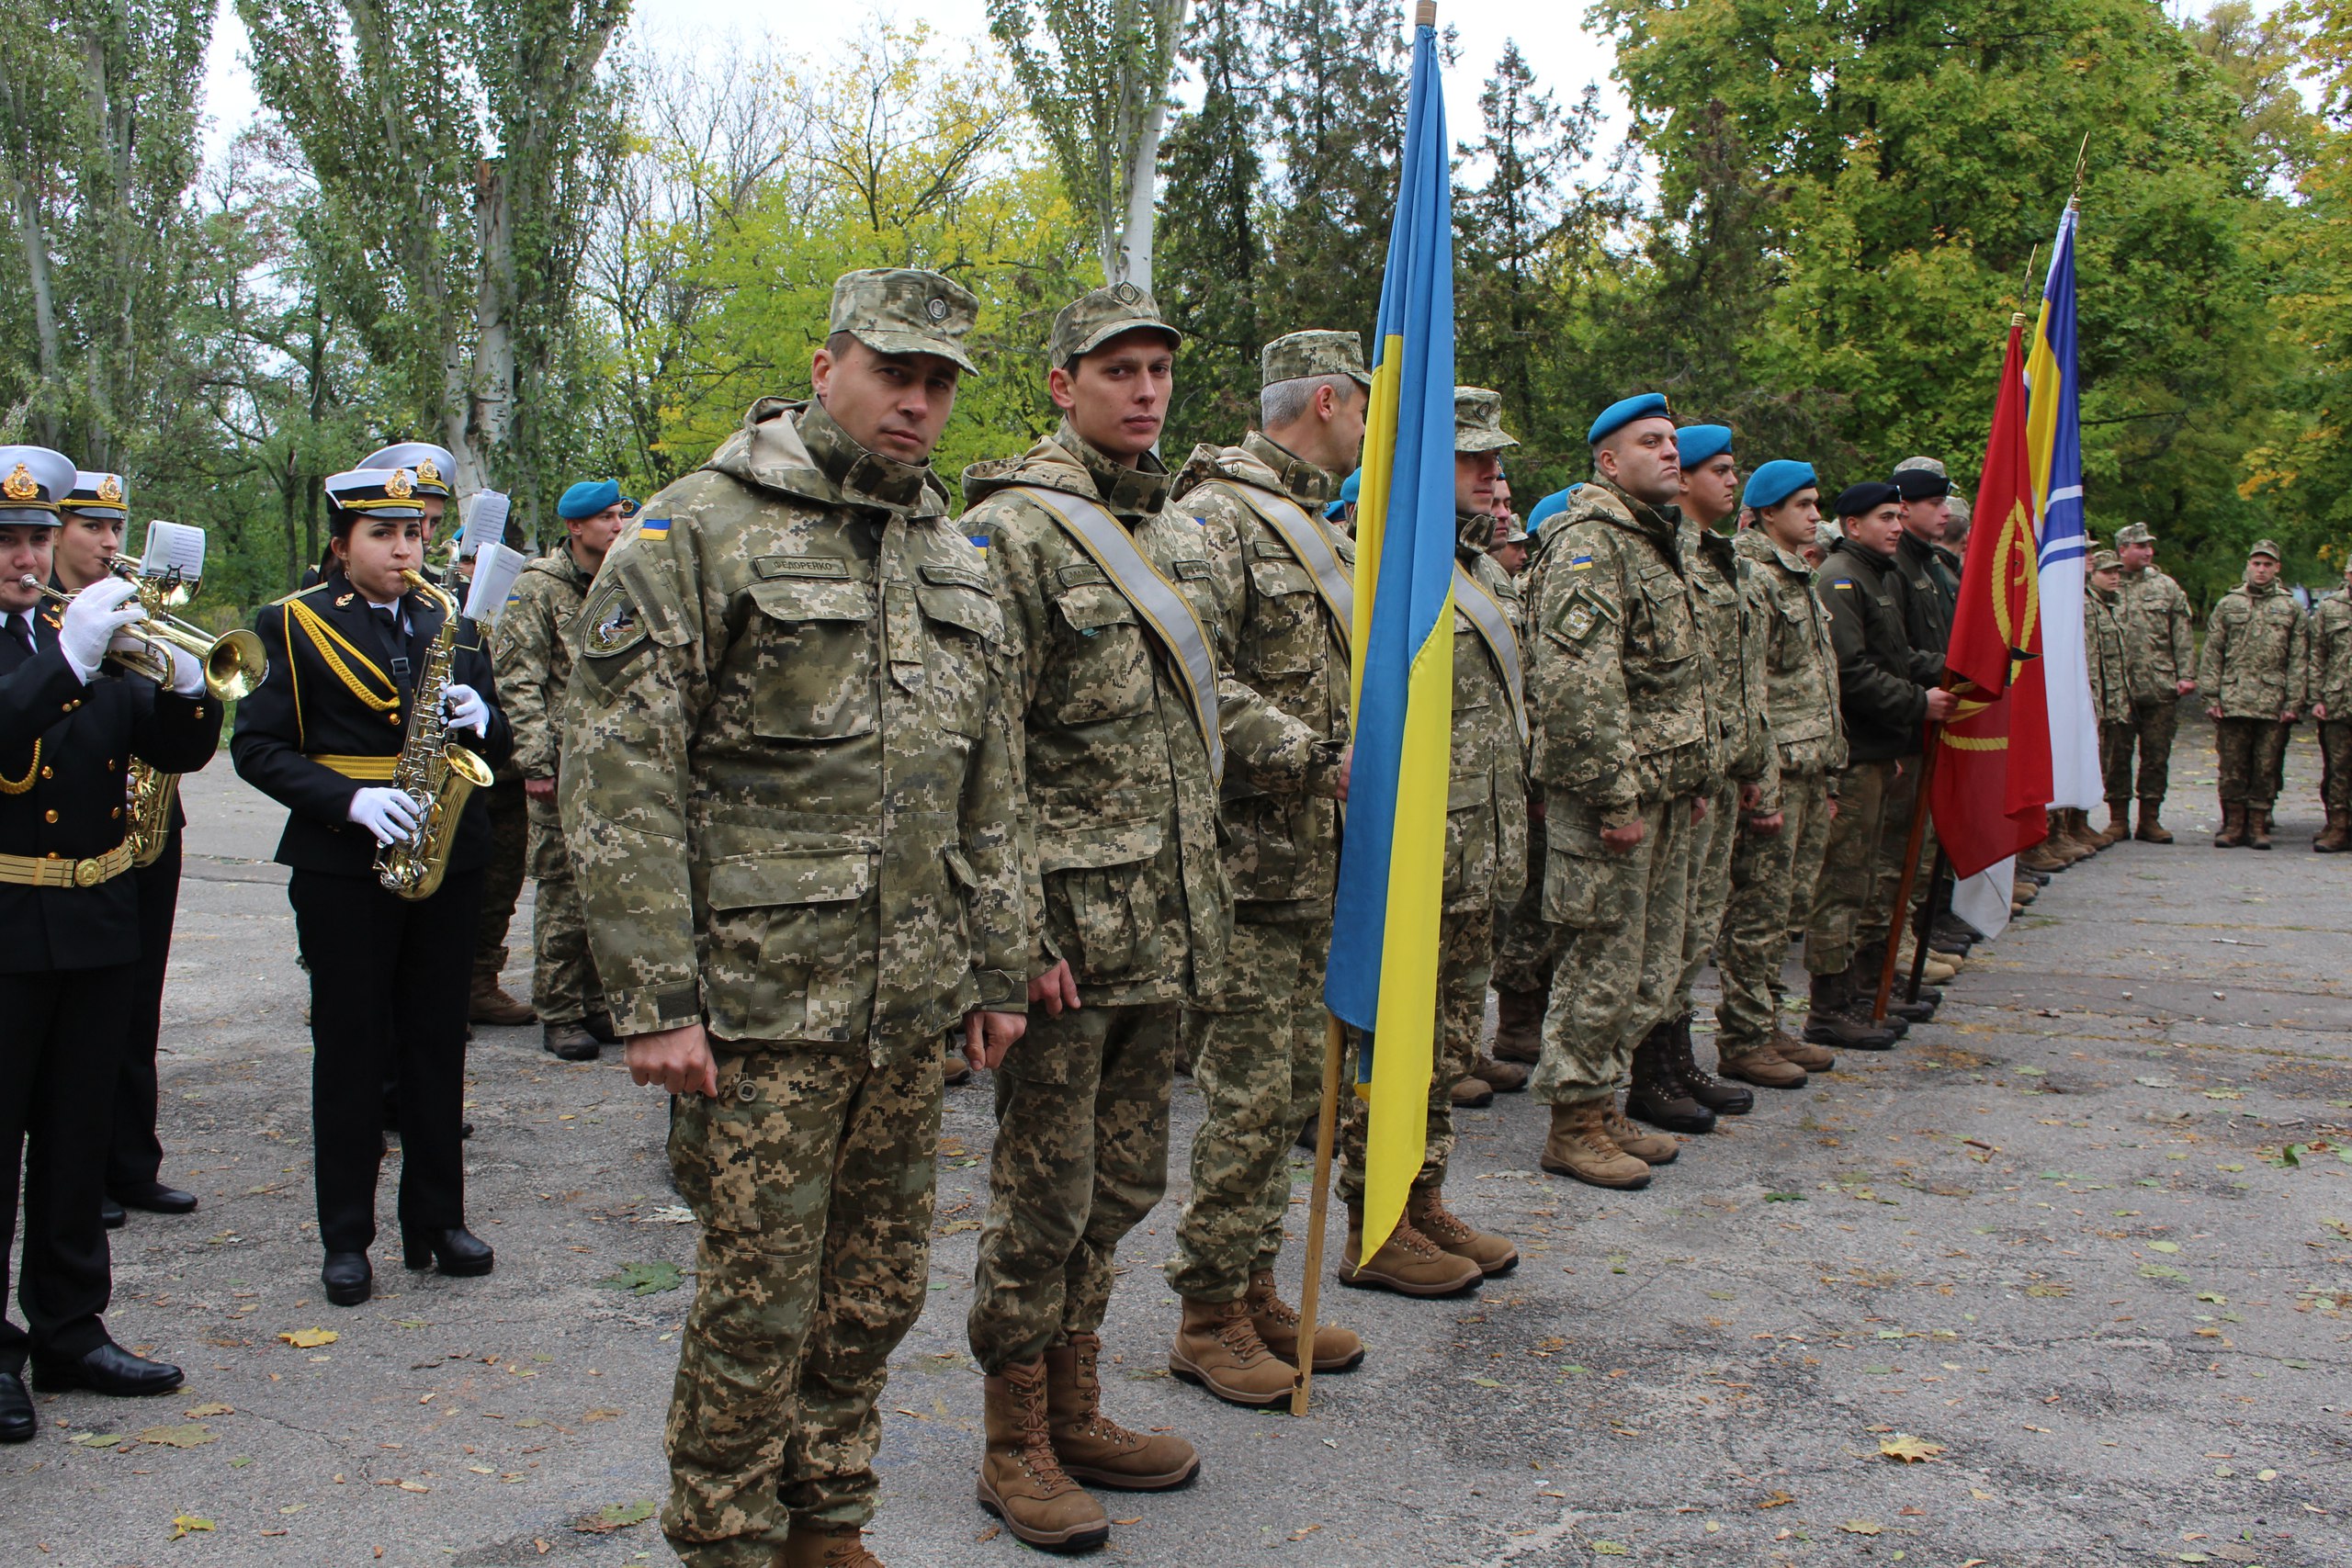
pixel 2053 1236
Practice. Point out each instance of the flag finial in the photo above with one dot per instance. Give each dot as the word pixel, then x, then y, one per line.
pixel 1425 13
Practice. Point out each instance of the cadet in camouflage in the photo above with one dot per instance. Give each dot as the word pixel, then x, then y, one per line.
pixel 2104 642
pixel 1257 1045
pixel 2331 698
pixel 2254 672
pixel 2160 655
pixel 788 785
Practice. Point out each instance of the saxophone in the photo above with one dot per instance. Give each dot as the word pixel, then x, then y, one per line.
pixel 431 772
pixel 152 797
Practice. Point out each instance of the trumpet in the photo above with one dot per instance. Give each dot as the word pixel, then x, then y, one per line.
pixel 234 663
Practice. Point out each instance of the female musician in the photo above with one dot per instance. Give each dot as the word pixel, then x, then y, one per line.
pixel 388 976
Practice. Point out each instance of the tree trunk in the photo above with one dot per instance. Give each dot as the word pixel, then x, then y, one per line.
pixel 490 411
pixel 26 207
pixel 1141 178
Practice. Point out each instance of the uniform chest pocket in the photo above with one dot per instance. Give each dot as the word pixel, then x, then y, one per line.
pixel 962 622
pixel 813 659
pixel 1286 636
pixel 1101 670
pixel 1662 629
pixel 1794 628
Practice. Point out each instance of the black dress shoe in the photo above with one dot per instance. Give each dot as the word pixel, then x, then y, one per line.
pixel 157 1199
pixel 111 1213
pixel 456 1251
pixel 109 1369
pixel 600 1024
pixel 17 1423
pixel 349 1278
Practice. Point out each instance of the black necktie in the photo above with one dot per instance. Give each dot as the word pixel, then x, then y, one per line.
pixel 23 628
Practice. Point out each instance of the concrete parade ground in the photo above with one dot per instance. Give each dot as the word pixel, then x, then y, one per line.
pixel 2066 1278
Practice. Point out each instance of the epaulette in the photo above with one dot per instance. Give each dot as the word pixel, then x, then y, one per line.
pixel 298 594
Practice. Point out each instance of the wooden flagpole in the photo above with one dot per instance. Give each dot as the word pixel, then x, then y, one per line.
pixel 1911 843
pixel 1318 1209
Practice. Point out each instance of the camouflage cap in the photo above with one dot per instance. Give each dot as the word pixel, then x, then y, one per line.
pixel 1513 531
pixel 2106 560
pixel 2135 534
pixel 1932 465
pixel 1094 319
pixel 1300 355
pixel 2265 547
pixel 905 310
pixel 1478 421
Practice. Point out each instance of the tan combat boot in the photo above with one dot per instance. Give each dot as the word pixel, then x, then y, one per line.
pixel 1762 1066
pixel 1650 1148
pixel 2336 837
pixel 843 1547
pixel 2257 827
pixel 2118 823
pixel 490 1003
pixel 2232 833
pixel 2086 837
pixel 2041 857
pixel 1217 1347
pixel 1096 1449
pixel 1580 1146
pixel 1831 1022
pixel 1408 1263
pixel 1427 1210
pixel 1503 1077
pixel 2152 828
pixel 953 1067
pixel 1022 1480
pixel 1519 1025
pixel 1470 1093
pixel 2060 844
pixel 1336 1350
pixel 1811 1057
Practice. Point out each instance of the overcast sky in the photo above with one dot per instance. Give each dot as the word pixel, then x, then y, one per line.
pixel 1563 55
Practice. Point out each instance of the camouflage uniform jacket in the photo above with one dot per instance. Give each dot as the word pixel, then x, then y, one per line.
pixel 1615 676
pixel 1117 798
pixel 1883 680
pixel 1485 801
pixel 2159 635
pixel 2110 663
pixel 787 774
pixel 1800 662
pixel 2257 645
pixel 1731 615
pixel 1281 850
pixel 2330 665
pixel 532 649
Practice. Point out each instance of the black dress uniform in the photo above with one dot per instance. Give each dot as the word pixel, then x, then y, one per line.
pixel 69 950
pixel 388 977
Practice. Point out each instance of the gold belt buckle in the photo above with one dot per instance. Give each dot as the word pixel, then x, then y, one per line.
pixel 89 873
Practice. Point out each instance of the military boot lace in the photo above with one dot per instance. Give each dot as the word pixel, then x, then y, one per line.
pixel 1035 1454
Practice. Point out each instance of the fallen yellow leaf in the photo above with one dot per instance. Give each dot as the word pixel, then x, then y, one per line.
pixel 1909 1449
pixel 1861 1527
pixel 201 1411
pixel 184 1524
pixel 310 1338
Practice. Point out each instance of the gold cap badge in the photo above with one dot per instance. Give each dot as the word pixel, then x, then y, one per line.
pixel 110 490
pixel 19 485
pixel 428 472
pixel 397 487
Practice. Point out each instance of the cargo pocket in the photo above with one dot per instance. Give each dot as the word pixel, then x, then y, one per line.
pixel 1469 837
pixel 965 621
pixel 1099 897
pixel 812 673
pixel 1575 864
pixel 1102 670
pixel 786 944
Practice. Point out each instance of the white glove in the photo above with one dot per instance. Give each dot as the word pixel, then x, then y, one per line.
pixel 389 814
pixel 97 612
pixel 465 709
pixel 187 671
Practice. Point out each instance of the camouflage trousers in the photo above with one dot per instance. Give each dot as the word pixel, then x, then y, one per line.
pixel 2253 759
pixel 1712 844
pixel 563 974
pixel 1772 885
pixel 1080 1157
pixel 2149 731
pixel 510 837
pixel 2335 763
pixel 1257 1060
pixel 810 1173
pixel 1466 947
pixel 1623 952
pixel 1855 892
pixel 1527 946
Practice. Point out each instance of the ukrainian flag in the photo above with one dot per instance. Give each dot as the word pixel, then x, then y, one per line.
pixel 2055 446
pixel 1382 973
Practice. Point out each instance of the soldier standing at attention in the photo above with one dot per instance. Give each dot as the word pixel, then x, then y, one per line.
pixel 1432 1252
pixel 2104 643
pixel 2160 650
pixel 788 788
pixel 2253 673
pixel 1675 1093
pixel 1626 763
pixel 1772 874
pixel 1123 715
pixel 1886 693
pixel 1257 1045
pixel 2331 694
pixel 535 646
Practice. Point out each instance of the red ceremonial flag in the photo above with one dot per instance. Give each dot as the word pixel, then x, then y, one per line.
pixel 1992 777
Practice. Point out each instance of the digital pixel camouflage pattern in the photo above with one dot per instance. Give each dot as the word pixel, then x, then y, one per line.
pixel 1486 806
pixel 2103 643
pixel 1800 663
pixel 2159 652
pixel 1843 913
pixel 1734 645
pixel 510 838
pixel 1466 946
pixel 2331 683
pixel 563 970
pixel 2256 666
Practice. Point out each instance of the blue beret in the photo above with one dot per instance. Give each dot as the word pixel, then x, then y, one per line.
pixel 1349 488
pixel 1701 443
pixel 1618 415
pixel 588 498
pixel 1549 509
pixel 1776 481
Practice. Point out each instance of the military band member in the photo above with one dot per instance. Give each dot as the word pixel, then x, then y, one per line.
pixel 534 650
pixel 2160 655
pixel 389 975
pixel 2253 673
pixel 2331 699
pixel 788 788
pixel 69 728
pixel 1126 712
pixel 1258 1043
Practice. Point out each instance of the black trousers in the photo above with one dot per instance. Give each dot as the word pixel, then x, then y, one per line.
pixel 389 983
pixel 134 1154
pixel 58 1029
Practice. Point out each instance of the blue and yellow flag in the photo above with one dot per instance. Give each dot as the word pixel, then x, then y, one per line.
pixel 1382 973
pixel 2054 444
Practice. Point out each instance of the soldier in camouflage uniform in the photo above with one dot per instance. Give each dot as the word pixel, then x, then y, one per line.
pixel 1125 711
pixel 2331 698
pixel 1626 759
pixel 2160 654
pixel 1258 1044
pixel 2104 643
pixel 1671 1089
pixel 1433 1252
pixel 790 792
pixel 533 648
pixel 1772 874
pixel 2254 671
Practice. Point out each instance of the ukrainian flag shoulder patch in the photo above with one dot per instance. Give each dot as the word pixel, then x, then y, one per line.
pixel 1580 563
pixel 653 528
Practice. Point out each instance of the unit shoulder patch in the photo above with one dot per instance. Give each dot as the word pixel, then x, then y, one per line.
pixel 611 622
